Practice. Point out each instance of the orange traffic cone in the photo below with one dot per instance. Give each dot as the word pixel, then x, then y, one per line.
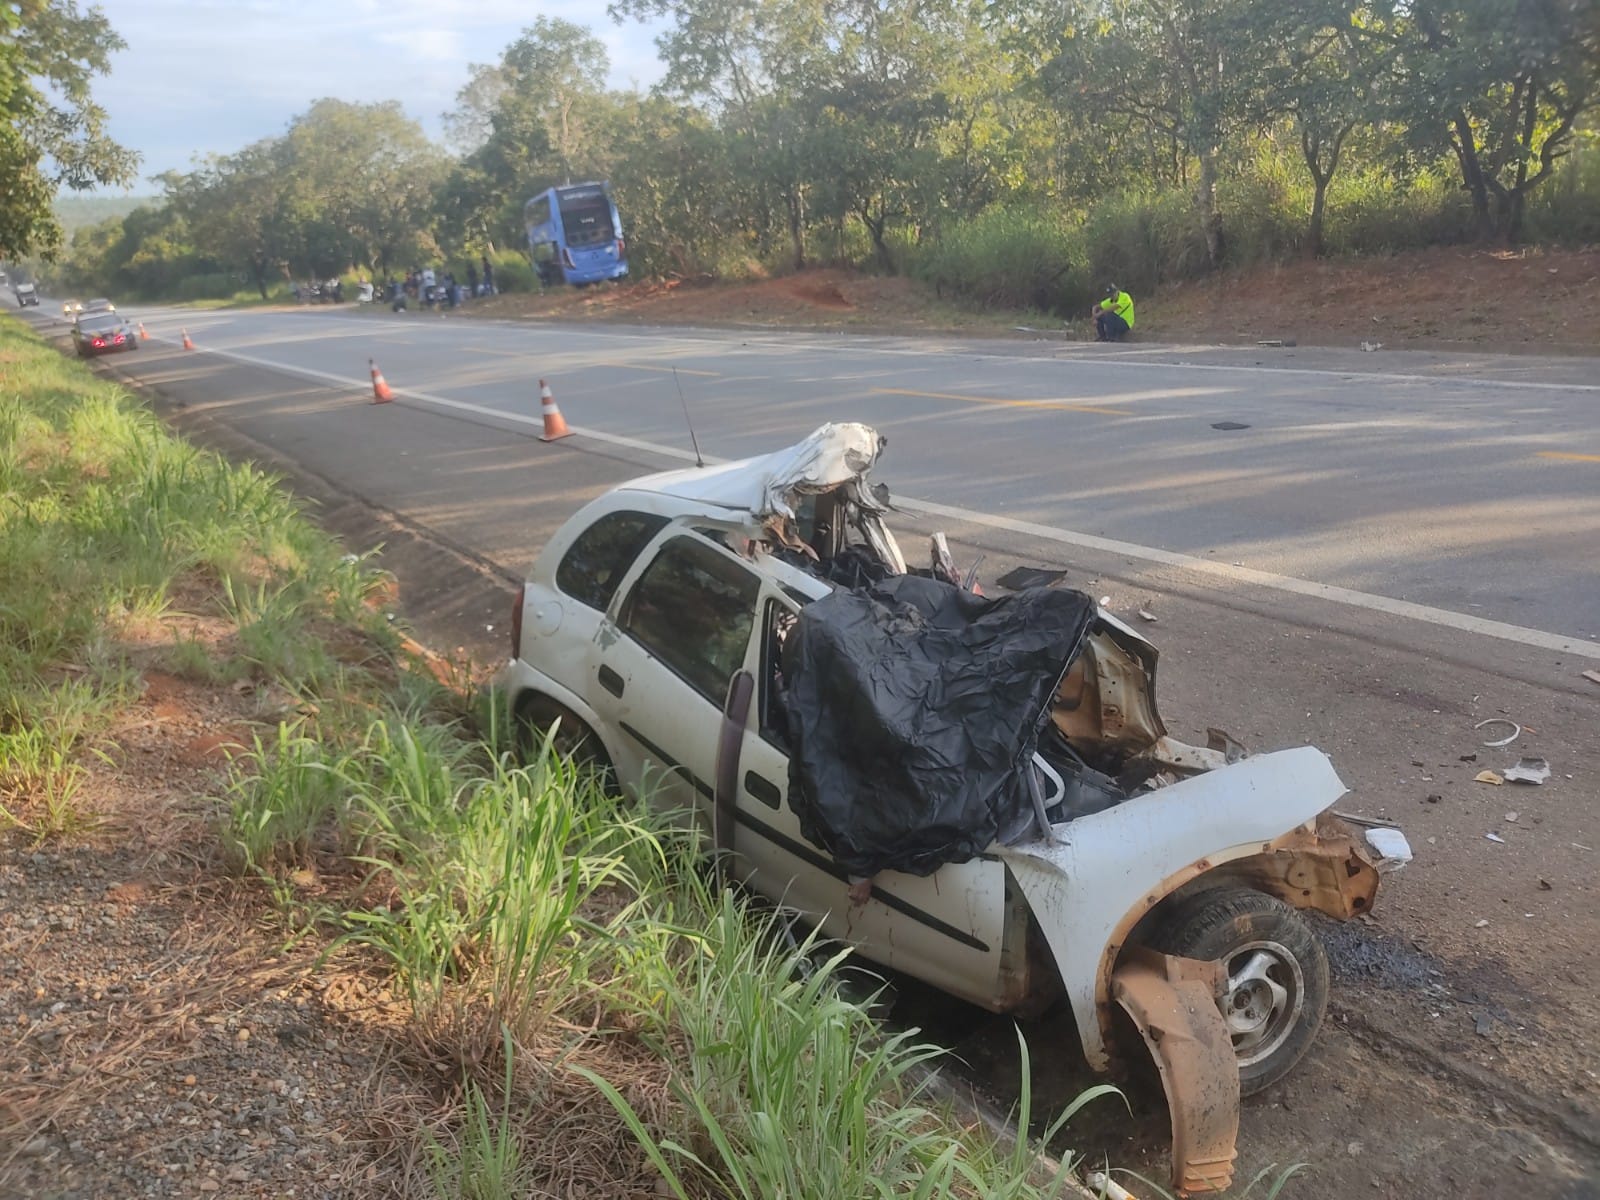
pixel 382 393
pixel 143 336
pixel 187 344
pixel 555 426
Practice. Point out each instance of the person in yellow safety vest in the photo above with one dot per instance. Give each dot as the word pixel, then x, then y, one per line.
pixel 1113 316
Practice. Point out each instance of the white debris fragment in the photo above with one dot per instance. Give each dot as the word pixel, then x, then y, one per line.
pixel 1516 731
pixel 1147 614
pixel 1511 817
pixel 1483 923
pixel 1391 845
pixel 1495 837
pixel 1369 347
pixel 1528 770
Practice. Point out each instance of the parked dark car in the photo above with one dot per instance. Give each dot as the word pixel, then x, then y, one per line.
pixel 102 333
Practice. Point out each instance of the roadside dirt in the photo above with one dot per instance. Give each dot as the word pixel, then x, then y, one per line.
pixel 1502 301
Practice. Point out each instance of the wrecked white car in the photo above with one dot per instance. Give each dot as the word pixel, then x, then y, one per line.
pixel 978 792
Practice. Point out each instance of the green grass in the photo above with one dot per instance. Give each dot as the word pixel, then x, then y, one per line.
pixel 104 516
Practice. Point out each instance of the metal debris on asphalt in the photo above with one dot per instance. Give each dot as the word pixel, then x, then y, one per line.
pixel 1495 837
pixel 1528 770
pixel 1516 731
pixel 1148 615
pixel 1369 822
pixel 1488 777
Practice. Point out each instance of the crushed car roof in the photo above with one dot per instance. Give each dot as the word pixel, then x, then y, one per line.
pixel 837 453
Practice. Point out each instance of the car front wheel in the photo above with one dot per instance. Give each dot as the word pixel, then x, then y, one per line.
pixel 1277 975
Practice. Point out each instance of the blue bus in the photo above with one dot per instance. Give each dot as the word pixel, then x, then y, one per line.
pixel 575 235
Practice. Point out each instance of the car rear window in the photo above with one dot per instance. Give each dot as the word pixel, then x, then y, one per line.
pixel 592 570
pixel 693 608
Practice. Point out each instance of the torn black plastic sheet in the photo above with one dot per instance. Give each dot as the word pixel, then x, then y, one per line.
pixel 915 709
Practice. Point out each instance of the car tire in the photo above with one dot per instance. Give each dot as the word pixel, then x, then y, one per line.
pixel 1277 988
pixel 573 739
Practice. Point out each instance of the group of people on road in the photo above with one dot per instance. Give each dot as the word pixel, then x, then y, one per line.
pixel 431 287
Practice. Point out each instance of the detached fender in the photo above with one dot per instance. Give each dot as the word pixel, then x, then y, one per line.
pixel 1090 886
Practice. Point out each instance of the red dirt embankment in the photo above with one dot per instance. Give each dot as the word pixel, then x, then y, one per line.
pixel 1513 301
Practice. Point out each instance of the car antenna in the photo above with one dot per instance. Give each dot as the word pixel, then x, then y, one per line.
pixel 699 460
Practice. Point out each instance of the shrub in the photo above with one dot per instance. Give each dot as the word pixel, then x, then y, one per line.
pixel 1015 257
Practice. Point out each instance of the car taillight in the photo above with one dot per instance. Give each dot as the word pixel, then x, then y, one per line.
pixel 99 341
pixel 622 247
pixel 566 257
pixel 516 621
pixel 118 339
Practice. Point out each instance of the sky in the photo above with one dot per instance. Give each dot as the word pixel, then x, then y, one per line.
pixel 210 76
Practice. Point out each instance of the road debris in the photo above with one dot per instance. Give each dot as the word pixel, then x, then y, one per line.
pixel 1511 817
pixel 1369 822
pixel 1516 731
pixel 1495 837
pixel 1147 615
pixel 1370 347
pixel 1027 577
pixel 1592 676
pixel 1229 426
pixel 1489 777
pixel 1473 757
pixel 1482 923
pixel 1529 770
pixel 1392 845
pixel 1433 797
pixel 1484 1024
pixel 1546 886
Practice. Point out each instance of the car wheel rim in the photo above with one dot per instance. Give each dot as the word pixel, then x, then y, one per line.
pixel 1266 995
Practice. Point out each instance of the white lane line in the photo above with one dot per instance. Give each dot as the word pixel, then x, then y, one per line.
pixel 1349 597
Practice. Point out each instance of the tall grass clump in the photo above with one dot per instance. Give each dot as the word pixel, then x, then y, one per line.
pixel 787 1088
pixel 1018 257
pixel 483 871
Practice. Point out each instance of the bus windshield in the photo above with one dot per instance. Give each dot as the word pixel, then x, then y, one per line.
pixel 586 217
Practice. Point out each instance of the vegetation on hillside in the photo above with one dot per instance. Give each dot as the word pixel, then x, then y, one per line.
pixel 1018 153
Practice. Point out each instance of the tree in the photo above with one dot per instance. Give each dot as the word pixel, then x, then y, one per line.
pixel 1190 71
pixel 1329 83
pixel 1506 82
pixel 54 133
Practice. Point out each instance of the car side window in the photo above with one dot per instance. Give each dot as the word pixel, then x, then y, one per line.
pixel 693 608
pixel 594 566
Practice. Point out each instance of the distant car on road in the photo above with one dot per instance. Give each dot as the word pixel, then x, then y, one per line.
pixel 102 333
pixel 99 304
pixel 26 294
pixel 71 308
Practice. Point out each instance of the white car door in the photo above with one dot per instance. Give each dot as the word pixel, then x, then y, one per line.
pixel 946 929
pixel 677 632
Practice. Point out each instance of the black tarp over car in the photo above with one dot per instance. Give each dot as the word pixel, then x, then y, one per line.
pixel 914 710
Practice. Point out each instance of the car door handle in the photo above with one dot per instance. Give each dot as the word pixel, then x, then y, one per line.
pixel 611 681
pixel 762 789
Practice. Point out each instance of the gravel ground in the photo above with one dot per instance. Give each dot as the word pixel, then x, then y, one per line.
pixel 159 1040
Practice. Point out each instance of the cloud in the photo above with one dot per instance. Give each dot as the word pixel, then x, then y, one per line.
pixel 211 76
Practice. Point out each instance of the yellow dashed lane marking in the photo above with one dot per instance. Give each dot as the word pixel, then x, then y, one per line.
pixel 1061 405
pixel 1569 457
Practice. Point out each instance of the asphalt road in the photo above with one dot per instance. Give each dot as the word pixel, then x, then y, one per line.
pixel 1462 1055
pixel 1469 487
